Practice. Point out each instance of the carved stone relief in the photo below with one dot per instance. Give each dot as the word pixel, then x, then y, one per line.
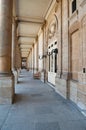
pixel 52 29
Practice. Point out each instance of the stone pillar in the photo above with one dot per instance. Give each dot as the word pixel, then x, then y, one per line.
pixel 37 54
pixel 27 63
pixel 44 51
pixel 30 60
pixel 6 77
pixel 33 58
pixel 18 59
pixel 13 44
pixel 14 40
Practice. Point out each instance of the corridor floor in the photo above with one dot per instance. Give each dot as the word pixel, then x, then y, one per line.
pixel 38 107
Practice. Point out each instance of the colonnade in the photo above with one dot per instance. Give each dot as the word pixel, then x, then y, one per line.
pixel 8 45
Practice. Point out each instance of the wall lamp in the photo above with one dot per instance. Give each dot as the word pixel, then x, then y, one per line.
pixel 48 53
pixel 42 56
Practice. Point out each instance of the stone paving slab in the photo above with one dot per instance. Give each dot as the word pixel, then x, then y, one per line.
pixel 47 126
pixel 38 107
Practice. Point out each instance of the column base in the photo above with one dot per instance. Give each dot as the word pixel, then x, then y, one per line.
pixel 42 77
pixel 61 86
pixel 81 95
pixel 6 89
pixel 15 76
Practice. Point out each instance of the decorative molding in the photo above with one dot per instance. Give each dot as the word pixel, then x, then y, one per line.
pixel 52 30
pixel 54 2
pixel 83 21
pixel 75 14
pixel 75 26
pixel 44 24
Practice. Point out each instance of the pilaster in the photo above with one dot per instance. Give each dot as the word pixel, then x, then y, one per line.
pixel 6 76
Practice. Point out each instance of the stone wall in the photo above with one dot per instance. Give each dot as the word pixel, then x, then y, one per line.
pixel 62 74
pixel 70 33
pixel 72 82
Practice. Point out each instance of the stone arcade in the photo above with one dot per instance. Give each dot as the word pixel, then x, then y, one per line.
pixel 47 37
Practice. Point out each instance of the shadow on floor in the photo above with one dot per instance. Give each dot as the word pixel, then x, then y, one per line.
pixel 22 82
pixel 23 76
pixel 17 98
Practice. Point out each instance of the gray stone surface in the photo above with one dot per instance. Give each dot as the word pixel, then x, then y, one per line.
pixel 47 126
pixel 38 107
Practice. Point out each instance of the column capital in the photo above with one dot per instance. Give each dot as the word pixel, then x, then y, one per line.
pixel 36 38
pixel 57 1
pixel 44 24
pixel 14 21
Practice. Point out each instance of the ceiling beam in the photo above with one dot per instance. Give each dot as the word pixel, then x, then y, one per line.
pixel 28 36
pixel 25 50
pixel 25 43
pixel 24 53
pixel 30 20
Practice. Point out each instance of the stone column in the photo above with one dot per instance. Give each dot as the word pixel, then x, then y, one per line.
pixel 14 40
pixel 44 50
pixel 27 63
pixel 37 54
pixel 30 60
pixel 18 59
pixel 6 77
pixel 33 58
pixel 13 44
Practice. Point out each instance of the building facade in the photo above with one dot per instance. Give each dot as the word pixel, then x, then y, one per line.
pixel 62 50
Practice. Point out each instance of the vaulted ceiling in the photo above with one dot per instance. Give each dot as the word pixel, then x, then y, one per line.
pixel 30 15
